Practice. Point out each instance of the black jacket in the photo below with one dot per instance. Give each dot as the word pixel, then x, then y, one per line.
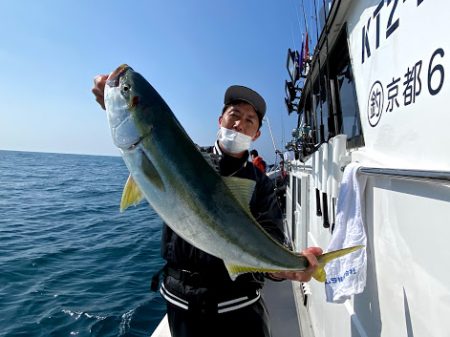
pixel 181 255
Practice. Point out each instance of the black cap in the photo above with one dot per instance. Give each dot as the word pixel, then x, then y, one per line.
pixel 241 93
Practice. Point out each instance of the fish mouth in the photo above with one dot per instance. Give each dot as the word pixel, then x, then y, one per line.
pixel 135 144
pixel 114 78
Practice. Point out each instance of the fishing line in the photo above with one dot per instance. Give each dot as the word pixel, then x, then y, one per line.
pixel 282 128
pixel 292 28
pixel 296 12
pixel 292 35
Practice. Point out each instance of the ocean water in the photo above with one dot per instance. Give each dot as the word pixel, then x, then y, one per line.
pixel 70 263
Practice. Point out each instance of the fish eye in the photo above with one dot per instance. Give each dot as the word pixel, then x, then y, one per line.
pixel 126 89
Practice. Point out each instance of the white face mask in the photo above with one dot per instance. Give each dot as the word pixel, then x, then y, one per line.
pixel 233 141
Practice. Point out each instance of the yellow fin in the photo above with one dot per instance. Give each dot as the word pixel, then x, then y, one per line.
pixel 242 189
pixel 131 194
pixel 319 274
pixel 234 270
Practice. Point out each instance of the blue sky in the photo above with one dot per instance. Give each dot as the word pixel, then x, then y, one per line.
pixel 190 51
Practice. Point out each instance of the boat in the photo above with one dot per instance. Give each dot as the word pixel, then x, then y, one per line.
pixel 373 94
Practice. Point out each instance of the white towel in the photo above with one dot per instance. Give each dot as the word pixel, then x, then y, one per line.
pixel 346 276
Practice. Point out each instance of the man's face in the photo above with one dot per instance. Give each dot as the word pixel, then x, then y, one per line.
pixel 242 118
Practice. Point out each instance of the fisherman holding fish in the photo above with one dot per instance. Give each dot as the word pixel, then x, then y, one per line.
pixel 202 299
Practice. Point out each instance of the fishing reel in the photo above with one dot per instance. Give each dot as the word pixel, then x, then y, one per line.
pixel 302 143
pixel 295 144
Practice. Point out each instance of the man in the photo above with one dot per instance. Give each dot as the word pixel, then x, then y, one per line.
pixel 257 161
pixel 201 298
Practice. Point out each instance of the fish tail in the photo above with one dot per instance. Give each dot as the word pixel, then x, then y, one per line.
pixel 320 274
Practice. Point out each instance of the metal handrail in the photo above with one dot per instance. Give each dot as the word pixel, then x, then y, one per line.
pixel 419 175
pixel 301 168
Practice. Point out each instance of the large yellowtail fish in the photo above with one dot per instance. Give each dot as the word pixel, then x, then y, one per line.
pixel 208 211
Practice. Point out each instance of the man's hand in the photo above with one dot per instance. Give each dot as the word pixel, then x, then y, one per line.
pixel 99 89
pixel 305 275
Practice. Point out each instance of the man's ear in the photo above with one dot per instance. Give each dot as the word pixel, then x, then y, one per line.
pixel 220 120
pixel 256 136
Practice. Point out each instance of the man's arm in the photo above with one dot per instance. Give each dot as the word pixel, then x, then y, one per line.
pixel 311 254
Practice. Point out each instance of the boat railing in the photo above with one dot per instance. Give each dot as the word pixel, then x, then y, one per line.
pixel 409 174
pixel 418 175
pixel 305 168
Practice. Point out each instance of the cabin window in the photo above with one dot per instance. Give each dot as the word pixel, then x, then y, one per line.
pixel 310 122
pixel 308 126
pixel 322 111
pixel 330 105
pixel 347 118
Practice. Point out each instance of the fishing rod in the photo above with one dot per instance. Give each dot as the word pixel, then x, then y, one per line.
pixel 266 119
pixel 298 21
pixel 304 15
pixel 327 84
pixel 306 21
pixel 321 127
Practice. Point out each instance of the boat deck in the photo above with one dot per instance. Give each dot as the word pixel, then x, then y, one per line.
pixel 279 299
